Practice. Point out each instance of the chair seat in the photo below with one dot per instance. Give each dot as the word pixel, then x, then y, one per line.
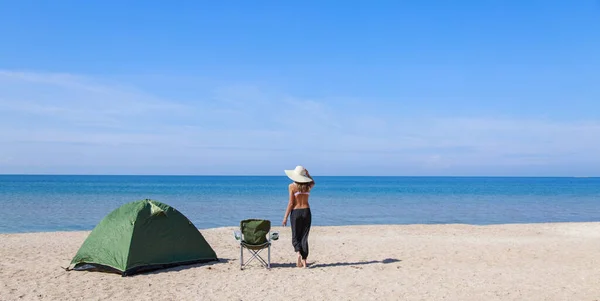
pixel 255 247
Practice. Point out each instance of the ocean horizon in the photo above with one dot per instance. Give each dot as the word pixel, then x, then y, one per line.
pixel 40 203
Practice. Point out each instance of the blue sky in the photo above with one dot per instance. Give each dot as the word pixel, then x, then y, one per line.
pixel 344 88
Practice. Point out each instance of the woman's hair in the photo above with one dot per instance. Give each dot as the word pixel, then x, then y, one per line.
pixel 304 187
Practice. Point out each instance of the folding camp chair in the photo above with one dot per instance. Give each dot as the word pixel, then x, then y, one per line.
pixel 255 235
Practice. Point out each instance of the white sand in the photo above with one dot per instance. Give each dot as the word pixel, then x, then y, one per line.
pixel 416 262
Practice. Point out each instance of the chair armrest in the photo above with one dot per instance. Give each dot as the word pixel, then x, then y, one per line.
pixel 237 234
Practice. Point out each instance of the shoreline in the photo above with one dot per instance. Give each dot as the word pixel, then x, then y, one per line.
pixel 542 261
pixel 336 226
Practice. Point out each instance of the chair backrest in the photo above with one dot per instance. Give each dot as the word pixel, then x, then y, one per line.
pixel 255 231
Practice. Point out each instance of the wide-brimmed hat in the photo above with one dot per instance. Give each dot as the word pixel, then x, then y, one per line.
pixel 298 174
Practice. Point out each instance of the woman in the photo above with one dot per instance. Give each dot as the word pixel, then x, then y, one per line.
pixel 299 211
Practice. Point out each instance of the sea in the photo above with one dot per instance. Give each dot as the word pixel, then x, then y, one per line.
pixel 40 203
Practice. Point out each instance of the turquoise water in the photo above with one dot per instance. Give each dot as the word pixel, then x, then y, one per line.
pixel 57 203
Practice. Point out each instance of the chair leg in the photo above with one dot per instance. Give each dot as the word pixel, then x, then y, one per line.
pixel 269 258
pixel 255 254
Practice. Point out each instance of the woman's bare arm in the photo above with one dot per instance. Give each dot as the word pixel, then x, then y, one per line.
pixel 289 206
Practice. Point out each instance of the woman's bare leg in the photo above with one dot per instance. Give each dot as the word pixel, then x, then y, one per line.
pixel 299 260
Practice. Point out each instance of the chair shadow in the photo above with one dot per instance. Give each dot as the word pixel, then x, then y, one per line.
pixel 359 263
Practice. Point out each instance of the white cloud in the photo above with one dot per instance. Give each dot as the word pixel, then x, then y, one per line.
pixel 77 100
pixel 56 122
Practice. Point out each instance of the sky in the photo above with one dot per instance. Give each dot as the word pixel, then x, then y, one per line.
pixel 401 88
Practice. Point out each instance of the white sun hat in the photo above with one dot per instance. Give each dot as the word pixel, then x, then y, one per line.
pixel 298 174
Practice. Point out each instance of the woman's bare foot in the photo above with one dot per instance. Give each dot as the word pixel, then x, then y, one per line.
pixel 304 264
pixel 299 260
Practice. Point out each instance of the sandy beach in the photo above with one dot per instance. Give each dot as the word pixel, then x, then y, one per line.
pixel 383 262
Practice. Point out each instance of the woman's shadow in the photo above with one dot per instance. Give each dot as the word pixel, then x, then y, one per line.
pixel 336 264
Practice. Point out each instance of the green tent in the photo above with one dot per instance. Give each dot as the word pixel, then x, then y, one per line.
pixel 142 236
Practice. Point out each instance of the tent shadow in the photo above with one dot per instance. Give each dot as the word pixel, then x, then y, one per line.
pixel 354 264
pixel 186 267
